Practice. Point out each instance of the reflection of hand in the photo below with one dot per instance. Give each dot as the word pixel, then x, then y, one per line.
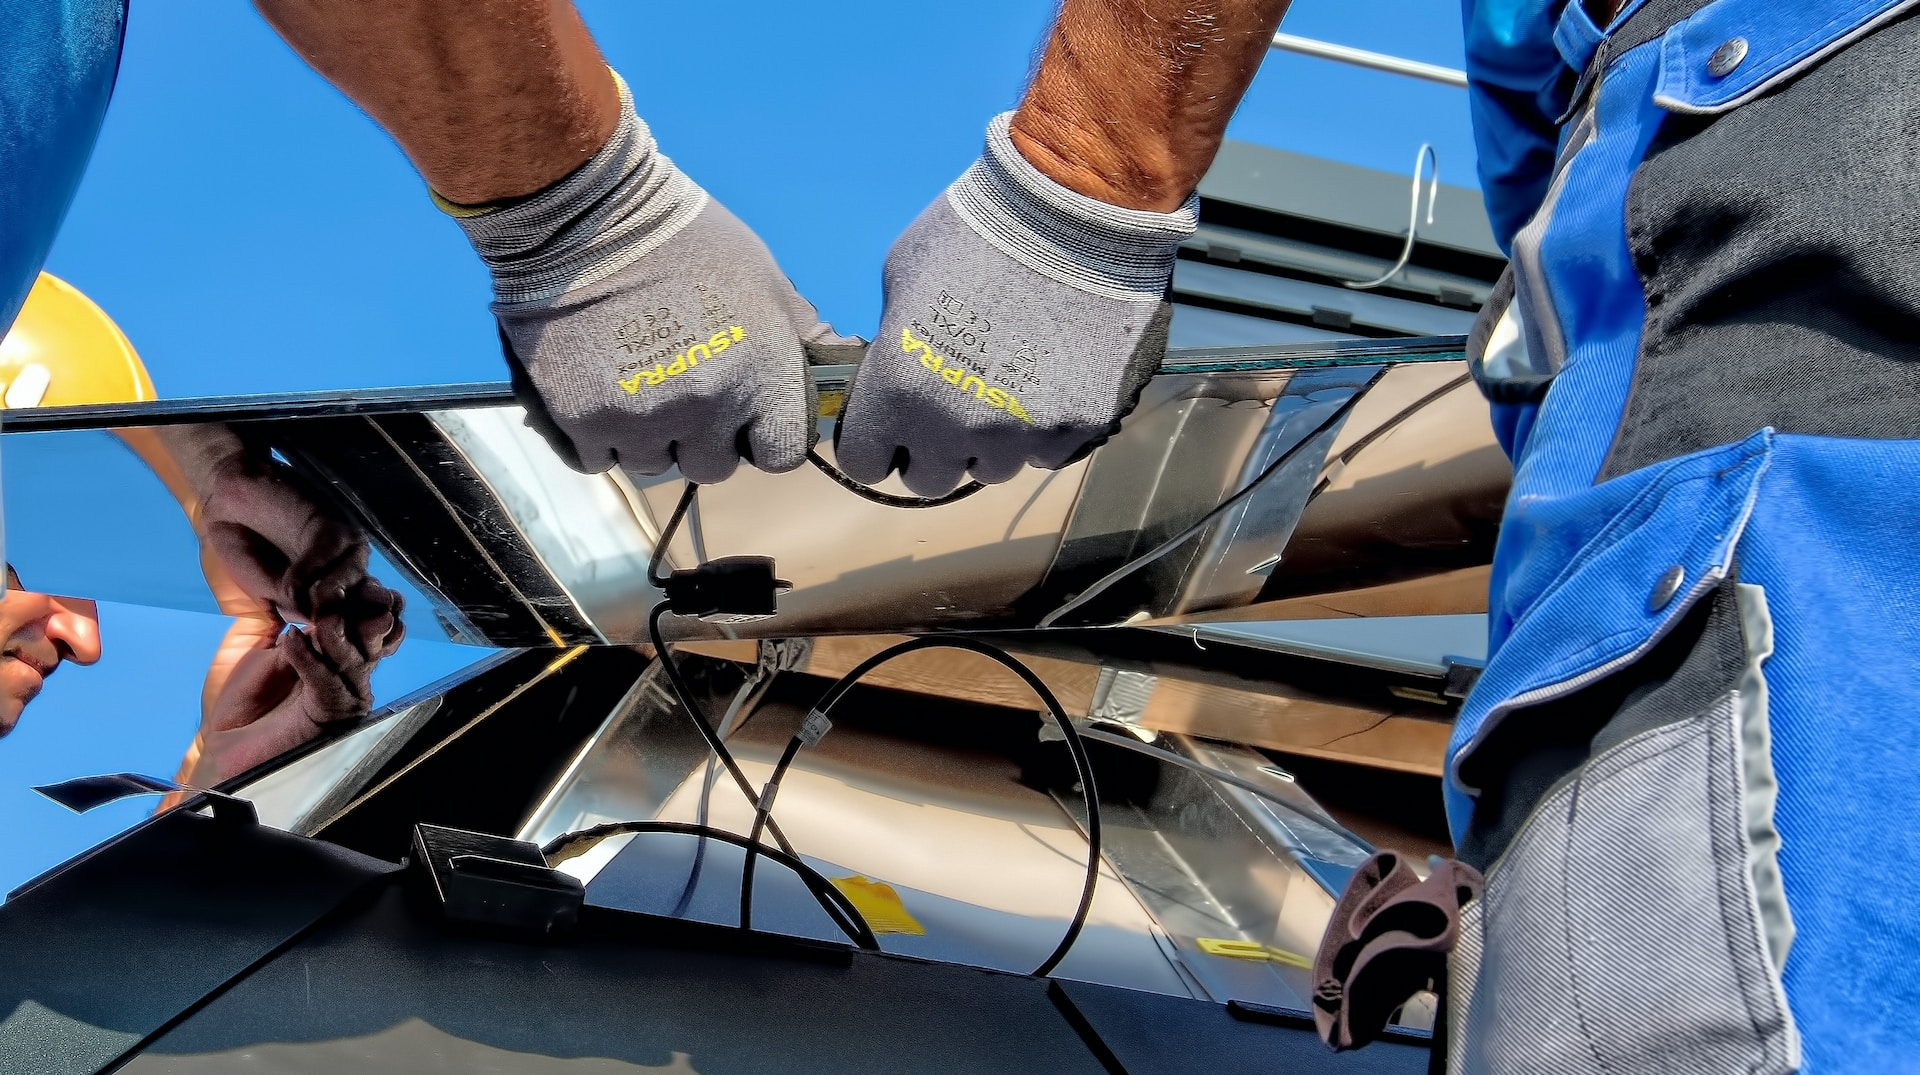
pixel 279 545
pixel 273 688
pixel 269 548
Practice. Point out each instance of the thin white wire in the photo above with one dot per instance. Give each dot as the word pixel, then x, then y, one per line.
pixel 1426 152
pixel 1378 61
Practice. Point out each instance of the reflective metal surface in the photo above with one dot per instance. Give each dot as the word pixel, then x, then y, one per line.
pixel 1349 470
pixel 943 803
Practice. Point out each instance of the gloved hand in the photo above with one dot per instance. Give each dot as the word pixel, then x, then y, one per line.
pixel 1021 321
pixel 645 326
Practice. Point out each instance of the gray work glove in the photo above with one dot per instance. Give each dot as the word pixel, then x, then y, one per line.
pixel 645 326
pixel 1021 321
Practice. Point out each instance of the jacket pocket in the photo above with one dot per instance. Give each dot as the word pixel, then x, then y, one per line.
pixel 1623 927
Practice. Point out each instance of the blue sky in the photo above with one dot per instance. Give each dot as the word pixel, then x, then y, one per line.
pixel 252 232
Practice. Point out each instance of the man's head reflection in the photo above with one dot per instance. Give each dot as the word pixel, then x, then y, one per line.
pixel 41 631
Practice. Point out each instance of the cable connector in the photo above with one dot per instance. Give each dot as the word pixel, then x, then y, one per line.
pixel 729 586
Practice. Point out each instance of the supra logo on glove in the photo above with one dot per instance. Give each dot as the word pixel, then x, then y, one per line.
pixel 998 398
pixel 683 361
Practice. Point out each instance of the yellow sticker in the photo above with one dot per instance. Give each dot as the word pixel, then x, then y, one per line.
pixel 831 400
pixel 880 905
pixel 1217 946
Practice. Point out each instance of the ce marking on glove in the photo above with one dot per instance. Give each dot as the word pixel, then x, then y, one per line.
pixel 650 329
pixel 959 322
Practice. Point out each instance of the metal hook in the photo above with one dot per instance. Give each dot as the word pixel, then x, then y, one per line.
pixel 1421 156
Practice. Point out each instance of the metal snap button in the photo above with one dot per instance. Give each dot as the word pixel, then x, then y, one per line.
pixel 1727 57
pixel 1664 590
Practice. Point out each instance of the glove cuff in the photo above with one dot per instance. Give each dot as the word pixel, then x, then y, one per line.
pixel 1083 242
pixel 610 212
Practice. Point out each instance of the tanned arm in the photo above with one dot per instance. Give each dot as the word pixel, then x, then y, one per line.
pixel 1132 97
pixel 490 99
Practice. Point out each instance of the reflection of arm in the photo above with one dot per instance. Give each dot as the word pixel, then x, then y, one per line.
pixel 185 458
pixel 247 634
pixel 270 553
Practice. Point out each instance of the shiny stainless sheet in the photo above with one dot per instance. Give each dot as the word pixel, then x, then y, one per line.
pixel 511 548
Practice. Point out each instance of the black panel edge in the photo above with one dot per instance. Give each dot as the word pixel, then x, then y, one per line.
pixel 365 401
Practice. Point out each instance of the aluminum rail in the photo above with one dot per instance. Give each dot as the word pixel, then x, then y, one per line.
pixel 1378 61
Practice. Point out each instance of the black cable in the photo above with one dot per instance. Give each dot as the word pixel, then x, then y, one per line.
pixel 685 695
pixel 1107 581
pixel 719 748
pixel 568 845
pixel 666 536
pixel 707 732
pixel 891 500
pixel 762 813
pixel 680 688
pixel 706 795
pixel 1081 763
pixel 838 905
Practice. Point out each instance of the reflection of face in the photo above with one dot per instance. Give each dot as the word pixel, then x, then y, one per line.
pixel 39 632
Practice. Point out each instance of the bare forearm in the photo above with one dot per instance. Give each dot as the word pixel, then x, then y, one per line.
pixel 1132 97
pixel 490 99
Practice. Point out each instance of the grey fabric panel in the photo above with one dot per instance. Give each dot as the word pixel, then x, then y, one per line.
pixel 1463 973
pixel 1621 934
pixel 1546 344
pixel 1712 668
pixel 1775 243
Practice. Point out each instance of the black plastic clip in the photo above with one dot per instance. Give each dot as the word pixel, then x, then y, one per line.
pixel 493 883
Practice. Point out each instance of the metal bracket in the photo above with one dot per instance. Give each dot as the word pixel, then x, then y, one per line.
pixel 1462 674
pixel 1120 696
pixel 83 793
pixel 782 655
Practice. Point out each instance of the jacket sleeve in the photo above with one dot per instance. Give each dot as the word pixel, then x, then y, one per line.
pixel 1517 87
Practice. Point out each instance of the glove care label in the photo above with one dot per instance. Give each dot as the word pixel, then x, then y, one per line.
pixel 659 326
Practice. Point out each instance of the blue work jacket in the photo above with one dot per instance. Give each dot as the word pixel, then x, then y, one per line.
pixel 1707 367
pixel 58 61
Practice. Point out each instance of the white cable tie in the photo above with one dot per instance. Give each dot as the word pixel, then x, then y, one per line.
pixel 814 728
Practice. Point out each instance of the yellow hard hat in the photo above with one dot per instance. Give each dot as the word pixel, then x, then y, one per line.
pixel 63 349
